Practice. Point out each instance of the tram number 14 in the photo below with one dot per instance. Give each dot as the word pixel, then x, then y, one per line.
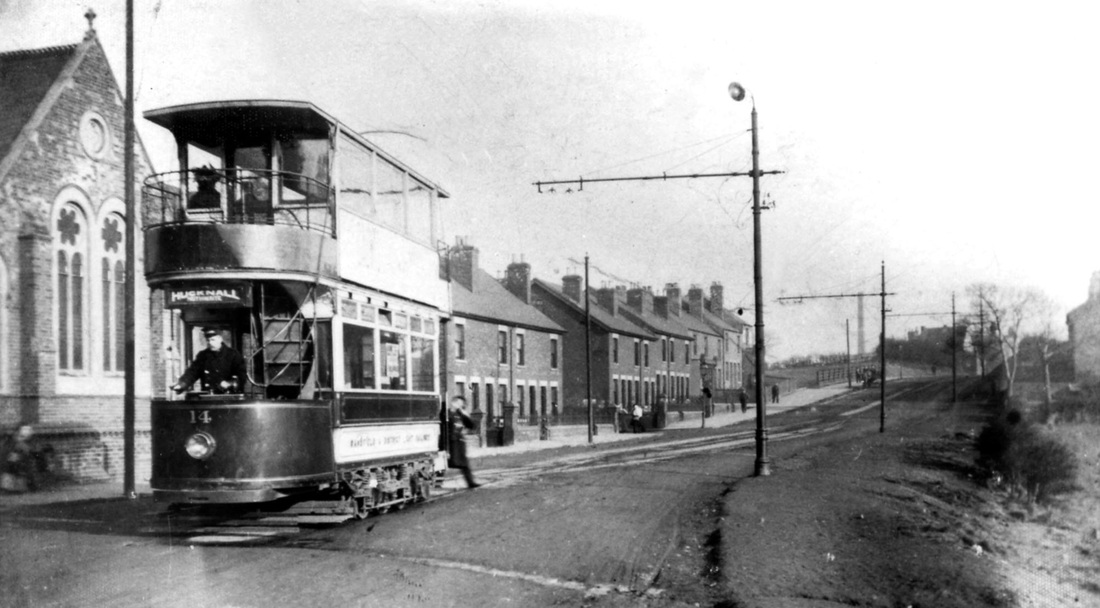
pixel 202 416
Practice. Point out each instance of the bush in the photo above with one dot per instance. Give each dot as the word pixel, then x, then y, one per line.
pixel 1081 405
pixel 1033 461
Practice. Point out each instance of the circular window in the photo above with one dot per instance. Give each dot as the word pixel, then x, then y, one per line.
pixel 94 135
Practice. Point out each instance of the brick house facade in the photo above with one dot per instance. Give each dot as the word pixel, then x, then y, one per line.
pixel 1084 336
pixel 62 260
pixel 499 349
pixel 621 351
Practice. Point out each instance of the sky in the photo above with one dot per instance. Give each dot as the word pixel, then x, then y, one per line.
pixel 952 143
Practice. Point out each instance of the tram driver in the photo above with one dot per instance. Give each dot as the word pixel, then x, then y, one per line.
pixel 220 368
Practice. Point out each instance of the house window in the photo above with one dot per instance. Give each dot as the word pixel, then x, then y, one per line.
pixel 645 352
pixel 521 359
pixel 460 389
pixel 672 351
pixel 460 342
pixel 664 350
pixel 113 277
pixel 70 242
pixel 502 347
pixel 615 349
pixel 553 354
pixel 687 353
pixel 637 353
pixel 554 399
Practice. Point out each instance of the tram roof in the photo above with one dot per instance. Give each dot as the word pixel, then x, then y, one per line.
pixel 206 122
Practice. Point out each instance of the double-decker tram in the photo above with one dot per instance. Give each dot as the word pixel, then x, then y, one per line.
pixel 309 250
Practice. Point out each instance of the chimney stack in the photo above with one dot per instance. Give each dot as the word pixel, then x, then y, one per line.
pixel 660 306
pixel 571 287
pixel 695 301
pixel 606 298
pixel 640 299
pixel 463 263
pixel 717 303
pixel 517 280
pixel 672 292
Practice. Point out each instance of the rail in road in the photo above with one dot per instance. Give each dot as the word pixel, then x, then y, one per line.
pixel 198 526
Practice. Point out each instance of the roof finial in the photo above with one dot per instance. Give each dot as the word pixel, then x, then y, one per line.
pixel 90 16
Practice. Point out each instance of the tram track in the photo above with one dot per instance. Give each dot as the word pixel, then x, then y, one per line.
pixel 198 527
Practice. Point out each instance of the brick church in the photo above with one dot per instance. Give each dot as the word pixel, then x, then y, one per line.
pixel 62 260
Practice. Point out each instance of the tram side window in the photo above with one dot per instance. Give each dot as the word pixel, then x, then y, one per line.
pixel 423 364
pixel 390 206
pixel 358 357
pixel 356 180
pixel 394 360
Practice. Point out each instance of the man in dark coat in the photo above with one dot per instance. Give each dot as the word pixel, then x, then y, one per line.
pixel 220 368
pixel 460 423
pixel 744 401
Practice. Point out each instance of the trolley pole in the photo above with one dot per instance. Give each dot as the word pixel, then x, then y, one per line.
pixel 587 350
pixel 129 354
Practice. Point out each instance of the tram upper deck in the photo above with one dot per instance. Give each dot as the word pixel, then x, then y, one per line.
pixel 278 188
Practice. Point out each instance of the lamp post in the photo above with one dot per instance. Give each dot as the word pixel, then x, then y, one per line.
pixel 761 467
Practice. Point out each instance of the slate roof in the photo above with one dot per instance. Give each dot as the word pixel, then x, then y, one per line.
pixel 600 316
pixel 655 322
pixel 25 78
pixel 490 301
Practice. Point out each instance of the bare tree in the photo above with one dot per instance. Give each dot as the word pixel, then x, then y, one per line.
pixel 1012 313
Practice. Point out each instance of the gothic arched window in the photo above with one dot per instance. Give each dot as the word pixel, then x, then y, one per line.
pixel 113 278
pixel 71 243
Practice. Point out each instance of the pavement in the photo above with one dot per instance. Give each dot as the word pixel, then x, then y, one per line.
pixel 115 489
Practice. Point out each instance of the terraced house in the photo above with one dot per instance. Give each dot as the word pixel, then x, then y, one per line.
pixel 500 350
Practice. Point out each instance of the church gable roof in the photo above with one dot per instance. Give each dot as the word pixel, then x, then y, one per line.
pixel 25 79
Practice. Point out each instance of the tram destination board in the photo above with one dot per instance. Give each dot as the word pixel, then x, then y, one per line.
pixel 209 296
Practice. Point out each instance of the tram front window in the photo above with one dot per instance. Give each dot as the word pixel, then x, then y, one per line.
pixel 307 158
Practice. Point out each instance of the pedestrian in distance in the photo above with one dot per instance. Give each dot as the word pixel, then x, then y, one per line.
pixel 775 393
pixel 744 401
pixel 220 368
pixel 20 472
pixel 636 418
pixel 460 423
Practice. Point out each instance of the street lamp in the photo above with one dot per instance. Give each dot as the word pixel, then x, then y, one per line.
pixel 761 468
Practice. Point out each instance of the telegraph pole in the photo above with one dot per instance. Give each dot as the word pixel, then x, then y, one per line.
pixel 882 336
pixel 848 343
pixel 737 92
pixel 954 352
pixel 882 348
pixel 129 350
pixel 588 349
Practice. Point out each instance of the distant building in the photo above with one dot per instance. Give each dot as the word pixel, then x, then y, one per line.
pixel 1084 335
pixel 62 258
pixel 499 348
pixel 621 354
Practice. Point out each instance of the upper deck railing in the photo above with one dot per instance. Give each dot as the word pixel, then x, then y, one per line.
pixel 239 196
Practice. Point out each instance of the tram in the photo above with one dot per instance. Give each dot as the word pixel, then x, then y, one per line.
pixel 311 251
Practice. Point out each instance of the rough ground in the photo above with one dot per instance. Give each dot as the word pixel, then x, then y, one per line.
pixel 903 519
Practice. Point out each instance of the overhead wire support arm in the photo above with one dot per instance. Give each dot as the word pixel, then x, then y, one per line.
pixel 642 178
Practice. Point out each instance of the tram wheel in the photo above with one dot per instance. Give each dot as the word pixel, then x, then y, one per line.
pixel 362 510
